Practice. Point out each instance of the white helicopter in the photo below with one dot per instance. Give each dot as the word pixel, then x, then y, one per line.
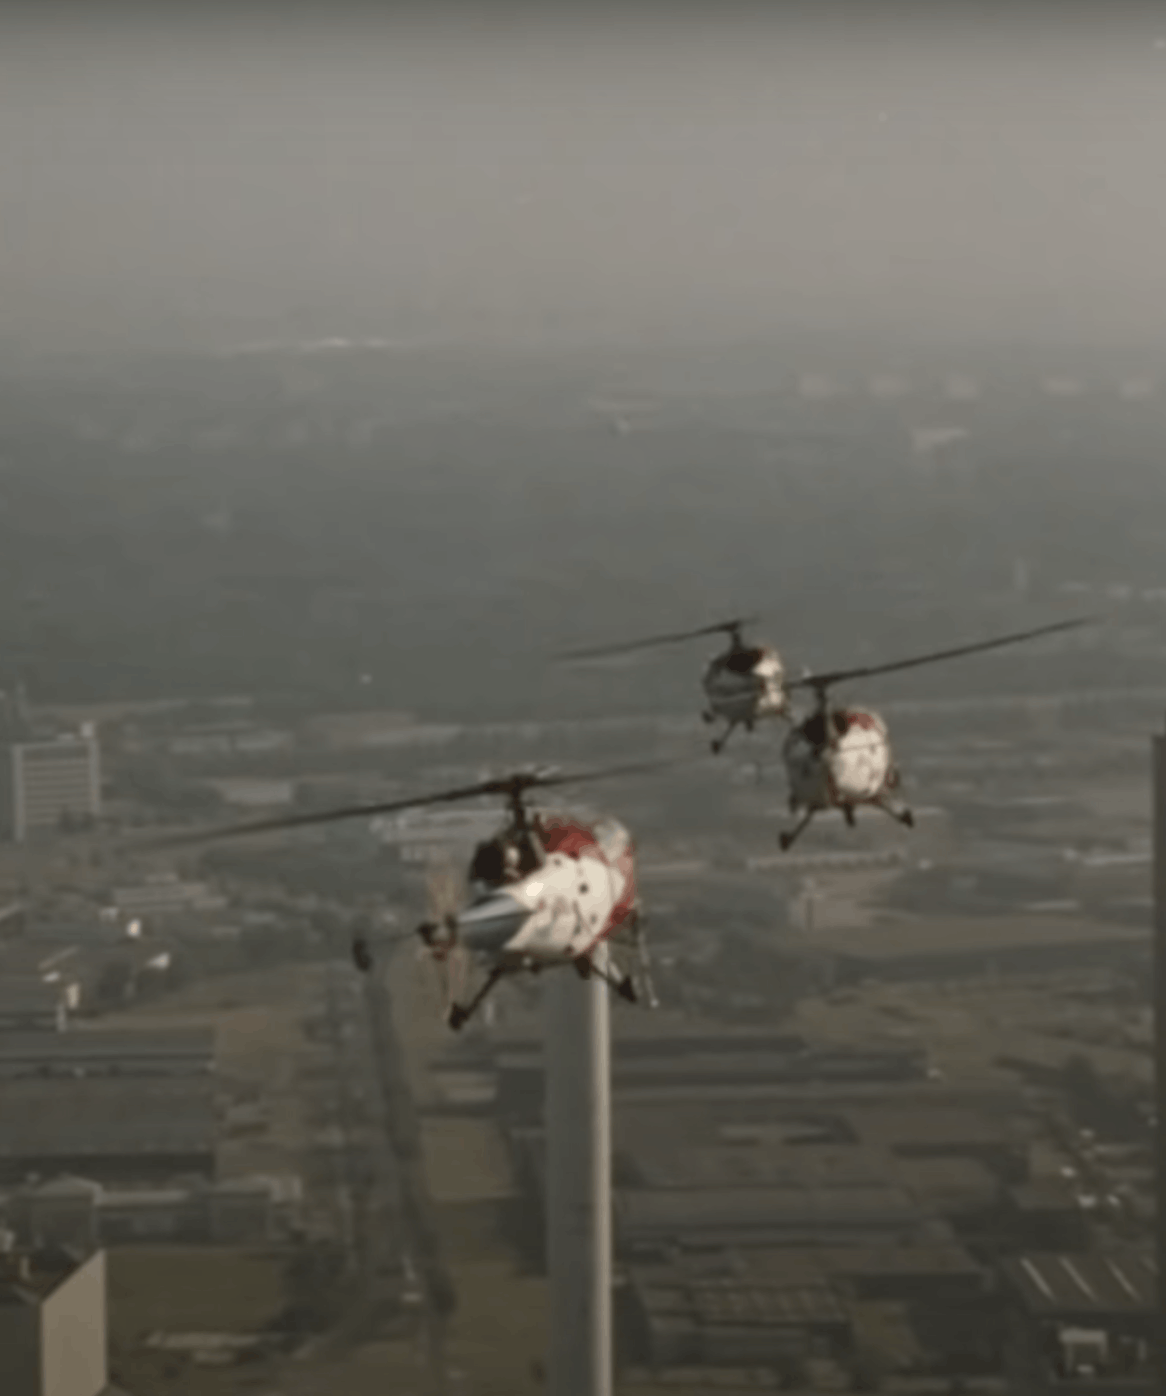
pixel 742 684
pixel 546 891
pixel 840 757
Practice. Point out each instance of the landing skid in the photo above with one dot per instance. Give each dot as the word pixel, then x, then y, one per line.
pixel 623 985
pixel 788 837
pixel 900 813
pixel 717 745
pixel 645 959
pixel 460 1014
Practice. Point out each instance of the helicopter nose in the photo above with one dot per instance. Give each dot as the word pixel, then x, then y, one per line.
pixel 490 923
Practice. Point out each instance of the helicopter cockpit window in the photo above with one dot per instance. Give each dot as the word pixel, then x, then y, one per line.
pixel 742 661
pixel 841 722
pixel 526 859
pixel 814 730
pixel 489 863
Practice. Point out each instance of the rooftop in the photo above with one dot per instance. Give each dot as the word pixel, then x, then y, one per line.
pixel 21 959
pixel 101 1044
pixel 1045 1195
pixel 934 1176
pixel 950 1127
pixel 726 1062
pixel 1090 1284
pixel 277 1188
pixel 103 1117
pixel 26 1277
pixel 680 1211
pixel 664 1031
pixel 795 1264
pixel 770 1164
pixel 744 1304
pixel 718 1143
pixel 28 993
pixel 731 1100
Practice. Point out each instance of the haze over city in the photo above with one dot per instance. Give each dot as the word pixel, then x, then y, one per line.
pixel 355 366
pixel 192 177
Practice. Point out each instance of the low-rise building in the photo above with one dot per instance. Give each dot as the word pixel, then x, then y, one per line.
pixel 661 1222
pixel 731 1321
pixel 109 1128
pixel 774 1309
pixel 84 1052
pixel 261 1210
pixel 32 1003
pixel 165 896
pixel 1046 1216
pixel 943 1132
pixel 1085 1323
pixel 961 1190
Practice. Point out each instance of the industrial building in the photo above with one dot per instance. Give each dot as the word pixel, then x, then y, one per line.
pixel 31 1004
pixel 520 1072
pixel 44 986
pixel 661 1059
pixel 165 895
pixel 760 1308
pixel 658 1223
pixel 1085 1322
pixel 84 1052
pixel 1046 1216
pixel 90 932
pixel 108 1128
pixel 53 1323
pixel 52 782
pixel 674 1197
pixel 794 1211
pixel 67 1211
pixel 730 1322
pixel 943 1131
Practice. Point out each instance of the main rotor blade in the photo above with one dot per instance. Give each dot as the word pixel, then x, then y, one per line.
pixel 506 785
pixel 821 681
pixel 635 768
pixel 628 646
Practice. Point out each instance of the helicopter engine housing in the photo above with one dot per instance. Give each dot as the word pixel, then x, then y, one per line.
pixel 745 684
pixel 853 766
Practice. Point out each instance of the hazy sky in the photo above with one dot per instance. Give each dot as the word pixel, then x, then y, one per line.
pixel 218 180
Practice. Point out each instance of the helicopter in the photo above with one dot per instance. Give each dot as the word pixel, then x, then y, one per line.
pixel 742 684
pixel 546 891
pixel 840 757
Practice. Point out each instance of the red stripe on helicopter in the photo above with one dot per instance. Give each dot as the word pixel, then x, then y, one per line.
pixel 866 721
pixel 620 912
pixel 573 840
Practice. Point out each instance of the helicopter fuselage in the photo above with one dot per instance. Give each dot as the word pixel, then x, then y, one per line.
pixel 745 684
pixel 582 892
pixel 839 759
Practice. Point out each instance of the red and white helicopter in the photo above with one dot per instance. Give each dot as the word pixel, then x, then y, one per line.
pixel 742 684
pixel 546 891
pixel 841 758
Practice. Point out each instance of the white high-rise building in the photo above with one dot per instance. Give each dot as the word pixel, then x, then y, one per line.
pixel 53 1324
pixel 51 781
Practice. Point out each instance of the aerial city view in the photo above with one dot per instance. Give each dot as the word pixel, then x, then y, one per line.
pixel 582 704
